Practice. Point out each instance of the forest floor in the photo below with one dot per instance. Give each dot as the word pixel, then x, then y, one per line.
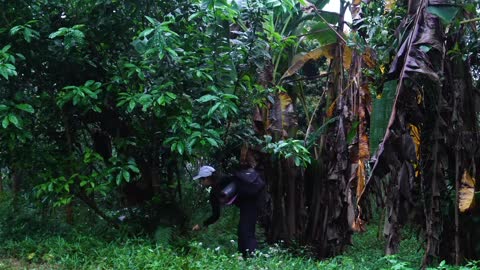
pixel 211 249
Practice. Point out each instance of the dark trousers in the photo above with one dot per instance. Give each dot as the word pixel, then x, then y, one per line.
pixel 247 243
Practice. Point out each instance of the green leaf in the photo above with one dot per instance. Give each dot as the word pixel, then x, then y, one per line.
pixel 212 142
pixel 126 175
pixel 195 15
pixel 151 20
pixel 118 179
pixel 171 95
pixel 161 100
pixel 4 74
pixel 213 109
pixel 171 52
pixel 25 107
pixel 3 107
pixel 60 32
pixel 469 8
pixel 15 29
pixel 229 96
pixel 382 109
pixel 13 119
pixel 89 83
pixel 445 13
pixel 146 32
pixel 134 168
pixel 207 98
pixel 196 134
pixel 5 122
pixel 173 147
pixel 425 48
pixel 322 33
pixel 20 56
pixel 297 161
pixel 6 48
pixel 352 132
pixel 131 105
pixel 195 125
pixel 180 148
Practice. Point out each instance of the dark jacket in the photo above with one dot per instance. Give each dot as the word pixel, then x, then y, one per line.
pixel 215 202
pixel 243 197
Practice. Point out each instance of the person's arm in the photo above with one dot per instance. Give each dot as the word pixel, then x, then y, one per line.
pixel 215 203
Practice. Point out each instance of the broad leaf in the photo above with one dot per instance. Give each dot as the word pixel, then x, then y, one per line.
pixel 325 51
pixel 382 109
pixel 207 98
pixel 322 33
pixel 13 119
pixel 5 122
pixel 25 107
pixel 466 192
pixel 446 13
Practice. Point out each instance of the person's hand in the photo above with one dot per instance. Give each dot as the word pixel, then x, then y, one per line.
pixel 196 227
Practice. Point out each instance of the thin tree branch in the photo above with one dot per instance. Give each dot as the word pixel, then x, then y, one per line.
pixel 470 20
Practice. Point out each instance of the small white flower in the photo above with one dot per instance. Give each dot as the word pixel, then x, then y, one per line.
pixel 217 248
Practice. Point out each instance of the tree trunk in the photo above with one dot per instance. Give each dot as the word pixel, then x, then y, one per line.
pixel 457 222
pixel 68 136
pixel 93 205
pixel 69 213
pixel 179 183
pixel 291 200
pixel 17 181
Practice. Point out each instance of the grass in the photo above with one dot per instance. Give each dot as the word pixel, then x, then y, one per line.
pixel 87 252
pixel 36 245
pixel 211 249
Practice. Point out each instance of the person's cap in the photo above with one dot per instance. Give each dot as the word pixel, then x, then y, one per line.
pixel 205 171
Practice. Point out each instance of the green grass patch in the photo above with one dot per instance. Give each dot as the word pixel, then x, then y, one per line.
pixel 27 243
pixel 84 251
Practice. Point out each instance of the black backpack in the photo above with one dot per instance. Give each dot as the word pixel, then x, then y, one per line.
pixel 249 182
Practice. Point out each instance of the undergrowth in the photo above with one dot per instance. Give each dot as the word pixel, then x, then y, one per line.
pixel 30 242
pixel 214 248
